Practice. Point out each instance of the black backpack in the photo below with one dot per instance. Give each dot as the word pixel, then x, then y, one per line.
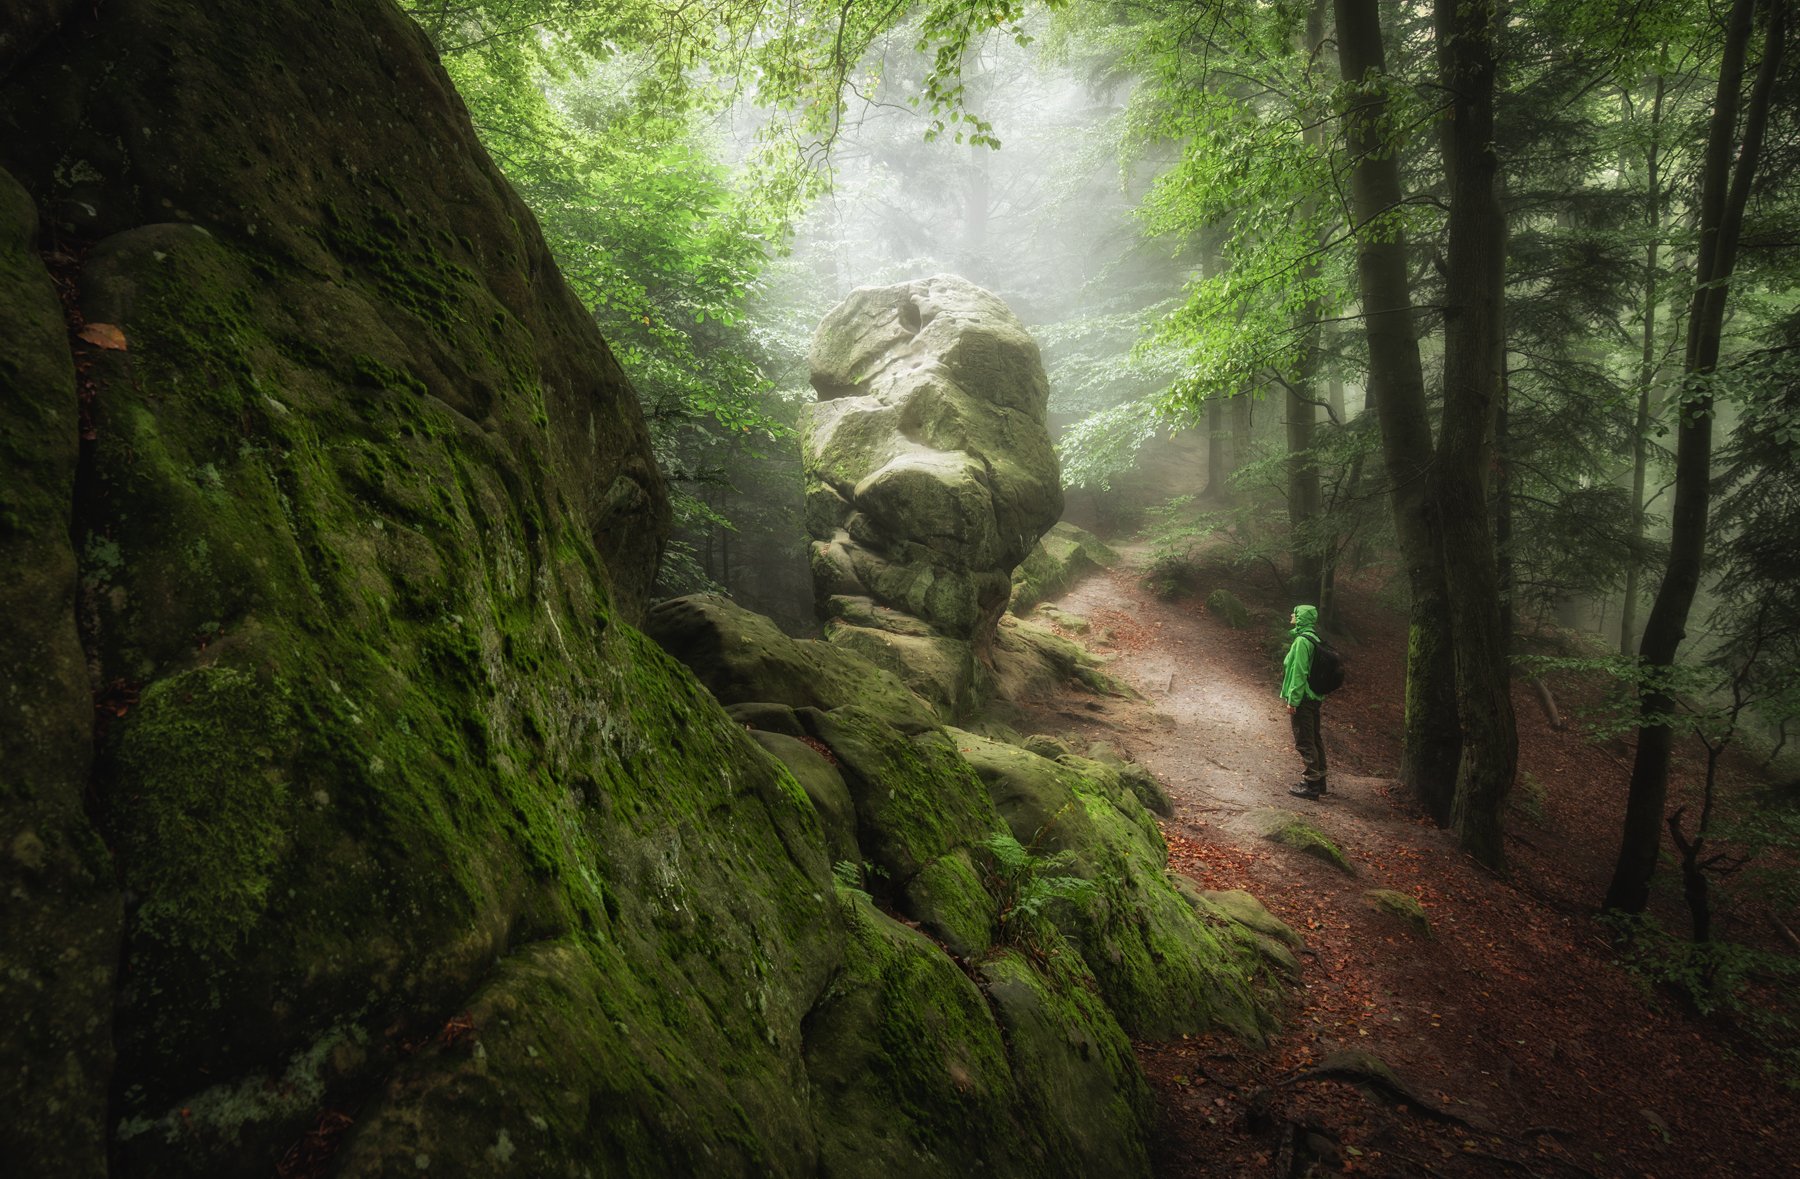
pixel 1327 673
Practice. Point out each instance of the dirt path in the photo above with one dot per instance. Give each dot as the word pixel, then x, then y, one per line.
pixel 1521 1046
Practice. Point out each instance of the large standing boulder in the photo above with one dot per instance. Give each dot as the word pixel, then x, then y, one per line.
pixel 931 476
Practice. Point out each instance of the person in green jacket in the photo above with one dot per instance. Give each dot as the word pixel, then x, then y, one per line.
pixel 1303 702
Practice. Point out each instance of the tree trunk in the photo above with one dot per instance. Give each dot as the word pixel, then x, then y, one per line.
pixel 1433 741
pixel 1640 435
pixel 1306 567
pixel 1724 190
pixel 1217 465
pixel 1242 422
pixel 1476 263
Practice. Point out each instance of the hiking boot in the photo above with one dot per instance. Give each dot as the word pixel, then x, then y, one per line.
pixel 1304 791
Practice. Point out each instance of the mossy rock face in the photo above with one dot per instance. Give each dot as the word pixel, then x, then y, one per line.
pixel 1161 968
pixel 941 671
pixel 915 798
pixel 59 925
pixel 1140 782
pixel 1045 745
pixel 1228 608
pixel 909 1071
pixel 1293 831
pixel 1249 912
pixel 744 657
pixel 1073 1061
pixel 1031 661
pixel 824 788
pixel 1061 557
pixel 952 905
pixel 390 786
pixel 769 718
pixel 1402 906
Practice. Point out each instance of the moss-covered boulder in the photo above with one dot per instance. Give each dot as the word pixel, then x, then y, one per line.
pixel 1300 834
pixel 915 798
pixel 1162 969
pixel 931 475
pixel 825 789
pixel 745 658
pixel 1061 557
pixel 1402 907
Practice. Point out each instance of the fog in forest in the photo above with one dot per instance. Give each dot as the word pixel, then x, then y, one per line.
pixel 1101 588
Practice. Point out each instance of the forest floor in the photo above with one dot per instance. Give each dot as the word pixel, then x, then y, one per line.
pixel 1523 1045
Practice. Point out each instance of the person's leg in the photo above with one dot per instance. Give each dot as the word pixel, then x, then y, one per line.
pixel 1318 734
pixel 1306 741
pixel 1311 747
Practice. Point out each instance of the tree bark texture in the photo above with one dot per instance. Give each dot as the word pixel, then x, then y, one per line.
pixel 1433 740
pixel 1724 191
pixel 1476 262
pixel 1647 366
pixel 1306 565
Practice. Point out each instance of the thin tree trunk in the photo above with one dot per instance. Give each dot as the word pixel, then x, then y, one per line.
pixel 1242 423
pixel 1724 191
pixel 1476 261
pixel 1306 567
pixel 1503 501
pixel 1432 741
pixel 1640 435
pixel 1217 465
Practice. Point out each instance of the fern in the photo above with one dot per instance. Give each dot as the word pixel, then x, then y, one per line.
pixel 1025 885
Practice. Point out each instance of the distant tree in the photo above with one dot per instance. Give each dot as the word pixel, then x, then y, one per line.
pixel 1733 147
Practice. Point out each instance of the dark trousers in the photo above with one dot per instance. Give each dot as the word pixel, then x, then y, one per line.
pixel 1310 742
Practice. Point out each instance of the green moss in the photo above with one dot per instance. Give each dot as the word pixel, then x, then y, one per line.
pixel 1161 968
pixel 396 255
pixel 916 799
pixel 910 1070
pixel 208 819
pixel 1292 831
pixel 1401 906
pixel 950 901
pixel 1074 1064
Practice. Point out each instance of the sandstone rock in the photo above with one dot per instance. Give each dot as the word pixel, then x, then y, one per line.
pixel 931 473
pixel 1062 556
pixel 393 804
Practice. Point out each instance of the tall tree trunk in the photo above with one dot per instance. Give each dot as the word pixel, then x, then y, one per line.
pixel 1433 740
pixel 1724 190
pixel 1640 435
pixel 1503 501
pixel 1242 409
pixel 1218 466
pixel 1476 263
pixel 1306 566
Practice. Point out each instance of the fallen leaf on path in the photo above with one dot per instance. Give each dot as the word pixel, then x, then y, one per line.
pixel 104 335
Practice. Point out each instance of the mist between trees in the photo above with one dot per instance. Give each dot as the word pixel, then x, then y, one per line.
pixel 1497 296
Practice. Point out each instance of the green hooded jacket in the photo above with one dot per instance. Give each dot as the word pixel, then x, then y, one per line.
pixel 1298 665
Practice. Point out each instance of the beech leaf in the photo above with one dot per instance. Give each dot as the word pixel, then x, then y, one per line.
pixel 104 335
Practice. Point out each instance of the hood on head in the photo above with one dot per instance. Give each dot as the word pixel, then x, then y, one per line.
pixel 1306 615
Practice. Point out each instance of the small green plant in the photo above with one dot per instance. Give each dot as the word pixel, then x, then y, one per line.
pixel 1754 990
pixel 1025 884
pixel 856 877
